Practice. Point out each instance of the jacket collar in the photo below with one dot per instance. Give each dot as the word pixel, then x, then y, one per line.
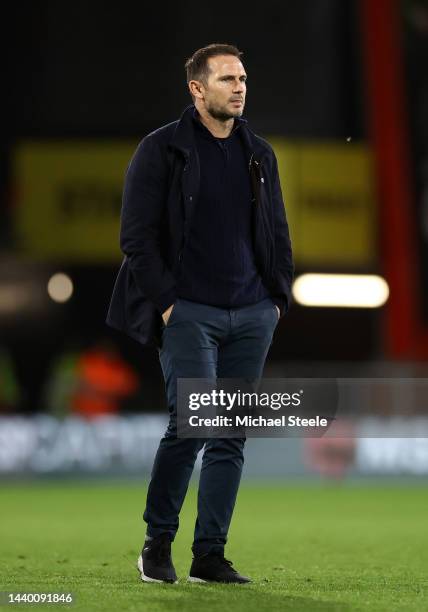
pixel 183 137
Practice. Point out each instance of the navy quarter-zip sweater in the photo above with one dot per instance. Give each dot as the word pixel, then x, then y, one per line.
pixel 218 264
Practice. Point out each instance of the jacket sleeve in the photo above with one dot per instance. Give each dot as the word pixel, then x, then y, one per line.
pixel 144 198
pixel 284 265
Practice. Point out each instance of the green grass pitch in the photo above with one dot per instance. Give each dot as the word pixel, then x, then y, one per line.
pixel 307 547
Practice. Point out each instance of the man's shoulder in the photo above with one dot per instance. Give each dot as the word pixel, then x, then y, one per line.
pixel 163 133
pixel 154 145
pixel 261 143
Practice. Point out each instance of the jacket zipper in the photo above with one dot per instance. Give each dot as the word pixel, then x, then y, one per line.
pixel 257 177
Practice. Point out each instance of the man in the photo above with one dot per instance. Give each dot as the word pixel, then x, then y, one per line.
pixel 206 276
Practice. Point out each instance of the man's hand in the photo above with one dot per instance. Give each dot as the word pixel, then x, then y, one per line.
pixel 167 314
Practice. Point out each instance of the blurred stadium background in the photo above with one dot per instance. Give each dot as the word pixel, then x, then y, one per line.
pixel 340 89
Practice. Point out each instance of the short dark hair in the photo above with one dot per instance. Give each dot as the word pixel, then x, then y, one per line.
pixel 197 65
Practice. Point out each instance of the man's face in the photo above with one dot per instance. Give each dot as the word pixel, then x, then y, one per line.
pixel 225 90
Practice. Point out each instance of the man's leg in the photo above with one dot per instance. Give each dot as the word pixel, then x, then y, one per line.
pixel 242 355
pixel 189 350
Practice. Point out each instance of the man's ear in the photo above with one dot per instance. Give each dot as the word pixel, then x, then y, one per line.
pixel 196 89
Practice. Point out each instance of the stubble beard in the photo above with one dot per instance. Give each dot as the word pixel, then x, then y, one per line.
pixel 221 114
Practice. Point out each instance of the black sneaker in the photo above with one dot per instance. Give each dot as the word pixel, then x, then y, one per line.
pixel 213 567
pixel 155 563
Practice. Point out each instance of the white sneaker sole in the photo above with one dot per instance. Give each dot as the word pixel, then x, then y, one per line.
pixel 194 579
pixel 145 578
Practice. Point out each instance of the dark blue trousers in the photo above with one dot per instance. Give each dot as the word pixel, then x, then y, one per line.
pixel 201 341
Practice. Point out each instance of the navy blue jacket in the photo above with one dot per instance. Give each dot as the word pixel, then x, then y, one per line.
pixel 161 190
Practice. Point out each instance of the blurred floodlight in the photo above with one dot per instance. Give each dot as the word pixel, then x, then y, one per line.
pixel 341 290
pixel 60 287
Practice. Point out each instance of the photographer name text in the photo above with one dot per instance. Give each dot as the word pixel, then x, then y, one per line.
pixel 257 421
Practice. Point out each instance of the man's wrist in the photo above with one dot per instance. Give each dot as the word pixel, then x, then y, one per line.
pixel 280 303
pixel 167 313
